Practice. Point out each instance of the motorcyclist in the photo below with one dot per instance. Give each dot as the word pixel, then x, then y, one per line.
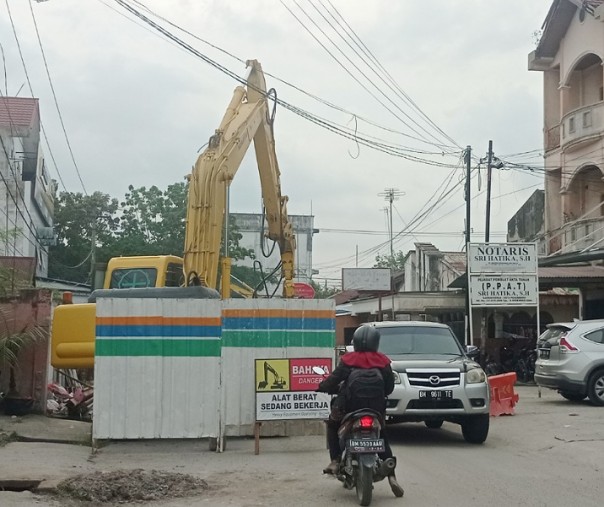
pixel 366 340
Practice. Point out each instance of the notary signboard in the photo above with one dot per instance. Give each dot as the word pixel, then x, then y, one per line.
pixel 504 290
pixel 502 258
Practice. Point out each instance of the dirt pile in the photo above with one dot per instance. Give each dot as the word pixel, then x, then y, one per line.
pixel 130 486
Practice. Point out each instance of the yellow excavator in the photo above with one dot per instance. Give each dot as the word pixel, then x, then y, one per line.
pixel 248 117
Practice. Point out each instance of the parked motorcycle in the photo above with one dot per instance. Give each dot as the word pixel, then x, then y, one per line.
pixel 72 405
pixel 360 465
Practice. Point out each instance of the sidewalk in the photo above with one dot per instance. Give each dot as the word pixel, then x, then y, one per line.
pixel 39 428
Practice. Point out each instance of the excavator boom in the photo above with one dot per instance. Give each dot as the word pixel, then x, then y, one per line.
pixel 246 119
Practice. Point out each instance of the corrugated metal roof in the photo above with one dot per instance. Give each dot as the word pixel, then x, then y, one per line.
pixel 18 112
pixel 570 276
pixel 566 272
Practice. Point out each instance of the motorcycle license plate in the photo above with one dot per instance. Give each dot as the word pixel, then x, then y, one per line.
pixel 446 394
pixel 365 445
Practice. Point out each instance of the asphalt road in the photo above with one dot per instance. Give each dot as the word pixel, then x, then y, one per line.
pixel 548 454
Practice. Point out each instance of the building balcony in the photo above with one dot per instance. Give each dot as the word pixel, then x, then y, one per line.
pixel 580 125
pixel 582 235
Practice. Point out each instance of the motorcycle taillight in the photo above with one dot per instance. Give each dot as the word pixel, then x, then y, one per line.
pixel 366 422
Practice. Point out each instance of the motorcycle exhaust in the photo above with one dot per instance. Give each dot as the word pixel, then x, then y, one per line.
pixel 387 466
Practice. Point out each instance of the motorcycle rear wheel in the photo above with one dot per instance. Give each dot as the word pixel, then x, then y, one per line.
pixel 364 484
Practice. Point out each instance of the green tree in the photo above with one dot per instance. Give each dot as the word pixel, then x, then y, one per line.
pixel 152 221
pixel 323 291
pixel 395 262
pixel 77 218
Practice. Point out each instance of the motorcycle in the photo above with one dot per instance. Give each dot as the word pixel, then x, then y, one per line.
pixel 360 465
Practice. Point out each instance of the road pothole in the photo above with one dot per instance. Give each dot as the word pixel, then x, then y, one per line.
pixel 18 485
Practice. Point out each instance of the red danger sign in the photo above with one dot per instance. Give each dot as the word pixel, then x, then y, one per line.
pixel 302 376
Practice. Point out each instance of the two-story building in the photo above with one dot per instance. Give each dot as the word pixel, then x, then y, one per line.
pixel 570 53
pixel 26 190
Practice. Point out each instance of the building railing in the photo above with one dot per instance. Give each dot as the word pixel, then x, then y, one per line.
pixel 581 235
pixel 582 123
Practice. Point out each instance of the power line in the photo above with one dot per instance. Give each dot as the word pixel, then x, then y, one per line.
pixel 421 137
pixel 277 78
pixel 345 132
pixel 52 88
pixel 32 92
pixel 390 81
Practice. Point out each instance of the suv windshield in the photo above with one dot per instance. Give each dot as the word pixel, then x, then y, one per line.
pixel 418 340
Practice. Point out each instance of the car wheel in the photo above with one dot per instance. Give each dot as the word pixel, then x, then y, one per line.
pixel 595 388
pixel 475 428
pixel 572 396
pixel 434 423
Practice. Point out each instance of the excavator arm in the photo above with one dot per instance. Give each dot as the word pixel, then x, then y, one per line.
pixel 246 119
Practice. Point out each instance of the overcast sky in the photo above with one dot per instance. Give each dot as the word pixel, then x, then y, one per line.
pixel 137 107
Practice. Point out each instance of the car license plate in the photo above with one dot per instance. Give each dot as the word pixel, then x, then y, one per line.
pixel 544 353
pixel 365 445
pixel 441 394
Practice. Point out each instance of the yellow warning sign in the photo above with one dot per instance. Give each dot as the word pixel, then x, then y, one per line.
pixel 272 375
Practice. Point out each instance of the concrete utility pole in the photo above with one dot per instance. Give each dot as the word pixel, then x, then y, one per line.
pixel 487 229
pixel 391 195
pixel 492 163
pixel 468 156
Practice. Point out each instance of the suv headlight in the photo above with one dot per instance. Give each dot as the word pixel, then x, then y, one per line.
pixel 397 377
pixel 475 376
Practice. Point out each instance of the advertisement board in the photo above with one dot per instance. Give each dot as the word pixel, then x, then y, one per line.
pixel 366 279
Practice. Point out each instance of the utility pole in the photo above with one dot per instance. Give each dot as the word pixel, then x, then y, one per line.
pixel 468 324
pixel 487 229
pixel 93 252
pixel 391 195
pixel 468 196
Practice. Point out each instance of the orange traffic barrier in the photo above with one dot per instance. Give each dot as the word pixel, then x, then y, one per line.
pixel 503 397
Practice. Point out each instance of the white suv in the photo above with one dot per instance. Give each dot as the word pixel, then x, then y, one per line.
pixel 435 380
pixel 571 360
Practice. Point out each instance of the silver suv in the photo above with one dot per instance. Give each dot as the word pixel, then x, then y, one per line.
pixel 435 380
pixel 571 360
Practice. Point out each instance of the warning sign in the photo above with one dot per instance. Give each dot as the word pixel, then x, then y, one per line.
pixel 302 376
pixel 285 389
pixel 272 374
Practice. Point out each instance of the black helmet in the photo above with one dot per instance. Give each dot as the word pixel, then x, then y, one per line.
pixel 366 339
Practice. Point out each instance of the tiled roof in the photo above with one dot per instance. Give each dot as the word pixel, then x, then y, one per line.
pixel 18 112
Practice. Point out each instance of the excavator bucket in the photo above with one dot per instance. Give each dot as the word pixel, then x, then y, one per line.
pixel 262 385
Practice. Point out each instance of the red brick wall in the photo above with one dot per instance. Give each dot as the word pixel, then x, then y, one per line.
pixel 32 307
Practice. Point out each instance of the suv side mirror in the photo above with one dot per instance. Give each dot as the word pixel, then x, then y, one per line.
pixel 472 351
